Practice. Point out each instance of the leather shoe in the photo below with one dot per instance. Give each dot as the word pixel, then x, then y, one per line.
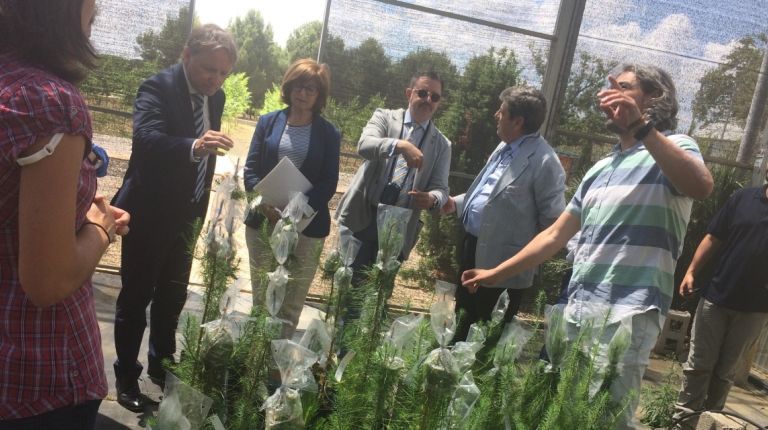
pixel 129 396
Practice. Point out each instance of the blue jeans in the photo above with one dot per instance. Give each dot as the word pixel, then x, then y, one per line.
pixel 77 417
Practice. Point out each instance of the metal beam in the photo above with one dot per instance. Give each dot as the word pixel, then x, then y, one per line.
pixel 470 19
pixel 560 59
pixel 756 111
pixel 324 31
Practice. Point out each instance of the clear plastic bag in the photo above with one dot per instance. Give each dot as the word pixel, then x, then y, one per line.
pixel 283 240
pixel 464 398
pixel 348 248
pixel 510 345
pixel 392 222
pixel 294 362
pixel 183 407
pixel 298 208
pixel 276 288
pixel 497 315
pixel 443 321
pixel 399 337
pixel 283 410
pixel 317 339
pixel 445 291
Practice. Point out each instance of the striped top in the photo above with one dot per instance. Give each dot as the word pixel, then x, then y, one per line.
pixel 633 222
pixel 295 144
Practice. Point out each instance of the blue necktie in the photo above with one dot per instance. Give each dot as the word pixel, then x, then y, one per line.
pixel 197 114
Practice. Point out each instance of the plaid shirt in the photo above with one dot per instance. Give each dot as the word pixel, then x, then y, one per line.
pixel 49 357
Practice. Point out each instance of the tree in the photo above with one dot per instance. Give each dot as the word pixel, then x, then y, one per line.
pixel 164 48
pixel 725 94
pixel 304 41
pixel 258 55
pixel 238 99
pixel 368 70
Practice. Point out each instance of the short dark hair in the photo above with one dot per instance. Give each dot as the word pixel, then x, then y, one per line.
pixel 208 37
pixel 47 34
pixel 527 103
pixel 656 82
pixel 431 74
pixel 304 71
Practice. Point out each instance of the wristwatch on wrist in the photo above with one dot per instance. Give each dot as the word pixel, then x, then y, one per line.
pixel 643 131
pixel 435 203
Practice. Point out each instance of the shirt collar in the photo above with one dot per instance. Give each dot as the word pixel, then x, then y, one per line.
pixel 191 89
pixel 513 146
pixel 408 120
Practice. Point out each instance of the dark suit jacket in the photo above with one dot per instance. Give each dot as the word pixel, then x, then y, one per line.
pixel 159 184
pixel 321 167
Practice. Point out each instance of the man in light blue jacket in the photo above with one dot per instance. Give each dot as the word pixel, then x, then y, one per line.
pixel 518 193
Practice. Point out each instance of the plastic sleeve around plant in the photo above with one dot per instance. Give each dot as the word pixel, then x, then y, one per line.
pixel 510 345
pixel 497 315
pixel 294 361
pixel 392 222
pixel 276 289
pixel 183 407
pixel 443 321
pixel 317 339
pixel 283 240
pixel 464 398
pixel 283 410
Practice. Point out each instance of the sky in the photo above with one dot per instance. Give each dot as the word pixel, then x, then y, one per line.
pixel 283 15
pixel 687 38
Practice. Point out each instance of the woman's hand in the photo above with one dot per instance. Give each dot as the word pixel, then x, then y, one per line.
pixel 100 213
pixel 472 279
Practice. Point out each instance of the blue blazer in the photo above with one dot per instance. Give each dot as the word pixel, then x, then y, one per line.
pixel 321 167
pixel 160 180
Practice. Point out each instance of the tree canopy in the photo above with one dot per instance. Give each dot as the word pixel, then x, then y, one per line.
pixel 164 47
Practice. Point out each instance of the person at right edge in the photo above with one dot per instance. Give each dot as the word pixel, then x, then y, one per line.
pixel 734 306
pixel 523 182
pixel 632 209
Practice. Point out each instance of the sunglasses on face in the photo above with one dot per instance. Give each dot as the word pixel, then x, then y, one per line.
pixel 422 94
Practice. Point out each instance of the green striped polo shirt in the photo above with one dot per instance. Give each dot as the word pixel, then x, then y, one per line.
pixel 633 222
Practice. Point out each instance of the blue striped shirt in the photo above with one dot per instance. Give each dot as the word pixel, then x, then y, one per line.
pixel 633 222
pixel 294 144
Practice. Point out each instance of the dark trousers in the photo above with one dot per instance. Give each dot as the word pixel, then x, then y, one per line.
pixel 366 257
pixel 478 306
pixel 151 272
pixel 77 417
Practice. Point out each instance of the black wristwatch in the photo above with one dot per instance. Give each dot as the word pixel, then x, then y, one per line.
pixel 643 131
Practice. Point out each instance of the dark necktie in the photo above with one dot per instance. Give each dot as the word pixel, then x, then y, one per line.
pixel 401 167
pixel 197 114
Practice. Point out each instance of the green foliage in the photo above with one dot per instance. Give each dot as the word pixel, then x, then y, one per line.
pixel 237 100
pixel 351 117
pixel 304 41
pixel 658 402
pixel 725 94
pixel 114 83
pixel 258 55
pixel 164 48
pixel 272 100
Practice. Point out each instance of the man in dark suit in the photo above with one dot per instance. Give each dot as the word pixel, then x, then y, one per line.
pixel 176 123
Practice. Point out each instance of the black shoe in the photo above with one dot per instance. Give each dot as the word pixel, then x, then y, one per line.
pixel 157 380
pixel 129 396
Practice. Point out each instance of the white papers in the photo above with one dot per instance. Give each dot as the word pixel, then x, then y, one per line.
pixel 280 184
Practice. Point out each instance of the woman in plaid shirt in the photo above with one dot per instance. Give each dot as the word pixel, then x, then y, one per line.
pixel 53 226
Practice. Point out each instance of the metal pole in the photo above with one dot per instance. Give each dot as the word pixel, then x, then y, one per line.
pixel 191 16
pixel 560 59
pixel 756 111
pixel 324 32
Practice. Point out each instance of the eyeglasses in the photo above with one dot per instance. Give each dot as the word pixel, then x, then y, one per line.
pixel 309 89
pixel 434 97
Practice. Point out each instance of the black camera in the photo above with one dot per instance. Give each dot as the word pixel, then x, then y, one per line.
pixel 390 194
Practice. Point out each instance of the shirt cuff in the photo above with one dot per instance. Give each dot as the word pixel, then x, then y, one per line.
pixel 192 157
pixel 392 145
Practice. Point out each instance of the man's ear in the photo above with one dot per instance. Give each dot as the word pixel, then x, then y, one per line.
pixel 408 92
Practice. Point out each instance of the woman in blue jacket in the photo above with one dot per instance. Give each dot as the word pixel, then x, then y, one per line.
pixel 312 143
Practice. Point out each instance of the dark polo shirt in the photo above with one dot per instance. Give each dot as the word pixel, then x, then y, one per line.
pixel 740 280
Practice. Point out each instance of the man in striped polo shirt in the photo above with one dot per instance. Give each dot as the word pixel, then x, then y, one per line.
pixel 632 209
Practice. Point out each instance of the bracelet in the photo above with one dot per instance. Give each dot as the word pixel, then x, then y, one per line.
pixel 643 131
pixel 110 238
